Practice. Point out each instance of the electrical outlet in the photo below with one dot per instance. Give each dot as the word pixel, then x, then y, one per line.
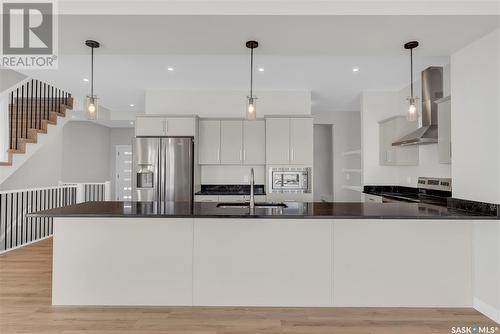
pixel 408 179
pixel 348 176
pixel 245 179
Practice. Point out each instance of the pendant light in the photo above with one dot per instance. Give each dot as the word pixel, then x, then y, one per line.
pixel 91 100
pixel 412 114
pixel 251 112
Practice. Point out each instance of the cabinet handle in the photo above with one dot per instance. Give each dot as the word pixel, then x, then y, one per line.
pixel 244 155
pixel 288 155
pixel 165 126
pixel 241 155
pixel 218 154
pixel 292 154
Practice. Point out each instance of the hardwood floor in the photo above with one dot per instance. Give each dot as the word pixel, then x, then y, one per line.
pixel 25 307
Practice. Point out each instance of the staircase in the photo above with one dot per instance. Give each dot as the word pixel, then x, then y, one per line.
pixel 31 108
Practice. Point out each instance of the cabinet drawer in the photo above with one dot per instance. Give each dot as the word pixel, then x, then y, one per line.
pixel 372 198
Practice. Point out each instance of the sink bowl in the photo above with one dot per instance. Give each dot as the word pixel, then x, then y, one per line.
pixel 246 205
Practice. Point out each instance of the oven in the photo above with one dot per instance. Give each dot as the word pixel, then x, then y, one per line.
pixel 289 179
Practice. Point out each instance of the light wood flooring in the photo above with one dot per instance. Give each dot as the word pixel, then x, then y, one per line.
pixel 25 307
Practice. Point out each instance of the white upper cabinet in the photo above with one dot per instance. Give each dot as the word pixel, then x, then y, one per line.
pixel 391 130
pixel 149 126
pixel 278 141
pixel 301 141
pixel 444 130
pixel 289 141
pixel 210 135
pixel 254 142
pixel 231 142
pixel 165 126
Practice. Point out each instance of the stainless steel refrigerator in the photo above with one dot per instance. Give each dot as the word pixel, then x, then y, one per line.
pixel 163 169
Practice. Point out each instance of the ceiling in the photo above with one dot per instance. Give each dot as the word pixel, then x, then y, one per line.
pixel 314 53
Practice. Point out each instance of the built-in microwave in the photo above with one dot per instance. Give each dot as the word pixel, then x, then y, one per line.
pixel 289 179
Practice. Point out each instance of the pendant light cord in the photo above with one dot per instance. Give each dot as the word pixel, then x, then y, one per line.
pixel 92 73
pixel 251 73
pixel 411 72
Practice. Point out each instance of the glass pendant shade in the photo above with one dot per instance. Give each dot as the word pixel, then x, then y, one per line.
pixel 91 107
pixel 251 113
pixel 412 114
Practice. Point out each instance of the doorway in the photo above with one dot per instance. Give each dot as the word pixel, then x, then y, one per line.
pixel 123 173
pixel 323 163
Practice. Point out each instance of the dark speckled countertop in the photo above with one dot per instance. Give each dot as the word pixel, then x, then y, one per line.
pixel 294 210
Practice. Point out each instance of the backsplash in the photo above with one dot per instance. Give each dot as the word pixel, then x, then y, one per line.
pixel 228 174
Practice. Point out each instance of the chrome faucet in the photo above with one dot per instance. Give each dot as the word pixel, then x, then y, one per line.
pixel 252 183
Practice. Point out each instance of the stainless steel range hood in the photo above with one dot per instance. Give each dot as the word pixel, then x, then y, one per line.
pixel 432 90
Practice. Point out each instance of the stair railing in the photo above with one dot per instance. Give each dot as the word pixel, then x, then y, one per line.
pixel 29 105
pixel 16 229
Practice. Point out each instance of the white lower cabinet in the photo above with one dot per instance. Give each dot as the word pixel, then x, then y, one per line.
pixel 206 198
pixel 258 262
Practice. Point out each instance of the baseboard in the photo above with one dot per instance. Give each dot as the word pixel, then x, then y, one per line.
pixel 487 310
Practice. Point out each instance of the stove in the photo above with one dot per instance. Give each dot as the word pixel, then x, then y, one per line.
pixel 430 190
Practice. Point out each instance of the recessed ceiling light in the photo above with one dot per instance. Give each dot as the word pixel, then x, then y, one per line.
pixel 131 123
pixel 261 69
pixel 85 79
pixel 132 105
pixel 170 69
pixel 355 69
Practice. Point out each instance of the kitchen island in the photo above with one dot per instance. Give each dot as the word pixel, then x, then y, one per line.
pixel 308 254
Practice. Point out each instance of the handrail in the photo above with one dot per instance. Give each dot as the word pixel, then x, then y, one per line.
pixel 35 189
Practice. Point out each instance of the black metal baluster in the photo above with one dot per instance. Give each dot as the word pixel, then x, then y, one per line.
pixel 31 104
pixel 1 214
pixel 11 109
pixel 17 115
pixel 36 219
pixel 31 218
pixel 22 113
pixel 16 215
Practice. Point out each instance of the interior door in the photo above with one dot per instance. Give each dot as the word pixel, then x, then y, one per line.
pixel 123 173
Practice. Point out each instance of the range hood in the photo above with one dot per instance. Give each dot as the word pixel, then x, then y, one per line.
pixel 432 90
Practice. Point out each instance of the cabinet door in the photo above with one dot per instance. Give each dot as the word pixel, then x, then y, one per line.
pixel 231 142
pixel 181 126
pixel 150 126
pixel 301 141
pixel 254 142
pixel 444 132
pixel 209 142
pixel 278 141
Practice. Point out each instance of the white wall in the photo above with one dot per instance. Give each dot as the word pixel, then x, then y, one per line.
pixel 42 169
pixel 323 163
pixel 226 103
pixel 475 131
pixel 377 106
pixel 9 78
pixel 346 137
pixel 475 123
pixel 85 152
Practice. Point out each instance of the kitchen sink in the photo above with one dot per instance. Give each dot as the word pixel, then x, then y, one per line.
pixel 246 205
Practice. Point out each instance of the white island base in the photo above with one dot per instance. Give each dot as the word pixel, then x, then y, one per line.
pixel 262 262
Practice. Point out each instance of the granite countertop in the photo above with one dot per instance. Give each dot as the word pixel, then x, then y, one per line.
pixel 294 210
pixel 230 189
